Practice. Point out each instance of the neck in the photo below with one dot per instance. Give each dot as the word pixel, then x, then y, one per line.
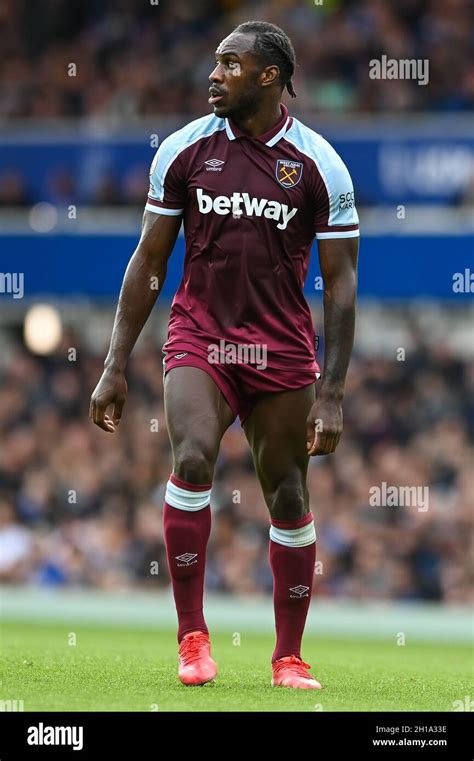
pixel 260 122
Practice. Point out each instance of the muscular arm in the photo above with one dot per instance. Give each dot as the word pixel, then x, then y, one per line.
pixel 142 284
pixel 338 261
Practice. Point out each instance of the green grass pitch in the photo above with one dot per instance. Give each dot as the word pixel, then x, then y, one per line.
pixel 120 669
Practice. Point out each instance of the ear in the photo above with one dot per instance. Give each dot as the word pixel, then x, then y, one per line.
pixel 270 75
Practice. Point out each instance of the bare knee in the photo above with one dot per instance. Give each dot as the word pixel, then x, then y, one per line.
pixel 194 463
pixel 288 500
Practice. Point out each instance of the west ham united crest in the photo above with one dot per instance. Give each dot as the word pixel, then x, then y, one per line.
pixel 289 173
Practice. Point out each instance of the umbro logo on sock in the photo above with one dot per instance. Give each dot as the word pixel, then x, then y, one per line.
pixel 187 558
pixel 299 591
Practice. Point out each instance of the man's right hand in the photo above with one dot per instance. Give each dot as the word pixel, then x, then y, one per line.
pixel 110 390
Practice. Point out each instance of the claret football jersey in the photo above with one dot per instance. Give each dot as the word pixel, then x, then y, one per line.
pixel 251 208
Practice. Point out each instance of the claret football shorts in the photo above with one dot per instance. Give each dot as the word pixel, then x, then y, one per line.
pixel 241 383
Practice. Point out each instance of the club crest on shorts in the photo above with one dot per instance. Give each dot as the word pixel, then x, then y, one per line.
pixel 289 173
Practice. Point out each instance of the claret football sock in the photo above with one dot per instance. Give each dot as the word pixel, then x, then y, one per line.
pixel 187 525
pixel 292 556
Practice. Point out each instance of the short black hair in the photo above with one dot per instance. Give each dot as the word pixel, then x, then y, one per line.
pixel 272 46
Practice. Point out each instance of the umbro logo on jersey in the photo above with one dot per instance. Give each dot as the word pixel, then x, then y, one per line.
pixel 214 165
pixel 300 591
pixel 288 173
pixel 259 207
pixel 188 558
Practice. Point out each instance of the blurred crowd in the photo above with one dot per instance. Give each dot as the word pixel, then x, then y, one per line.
pixel 122 59
pixel 63 185
pixel 80 507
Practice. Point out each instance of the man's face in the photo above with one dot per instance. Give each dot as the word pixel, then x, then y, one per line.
pixel 236 87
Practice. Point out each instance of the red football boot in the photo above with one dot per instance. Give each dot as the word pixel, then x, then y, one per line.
pixel 195 663
pixel 291 671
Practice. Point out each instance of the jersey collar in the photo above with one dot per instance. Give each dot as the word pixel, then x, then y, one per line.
pixel 271 137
